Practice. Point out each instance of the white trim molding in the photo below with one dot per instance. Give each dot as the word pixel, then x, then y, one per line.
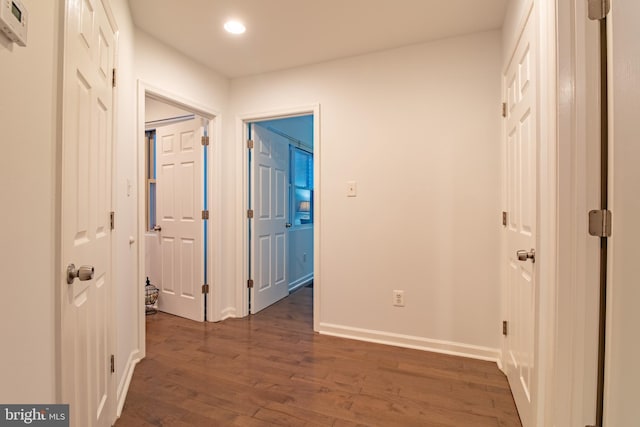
pixel 575 336
pixel 413 342
pixel 299 283
pixel 123 387
pixel 228 313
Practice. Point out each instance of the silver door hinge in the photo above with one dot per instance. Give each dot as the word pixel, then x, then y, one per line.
pixel 250 283
pixel 599 9
pixel 205 141
pixel 205 288
pixel 504 328
pixel 112 220
pixel 113 364
pixel 250 213
pixel 113 77
pixel 504 218
pixel 250 144
pixel 504 109
pixel 600 223
pixel 205 214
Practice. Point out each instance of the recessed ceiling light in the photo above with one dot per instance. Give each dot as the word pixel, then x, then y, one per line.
pixel 234 27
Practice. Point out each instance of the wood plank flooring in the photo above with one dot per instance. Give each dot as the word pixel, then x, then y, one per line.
pixel 271 369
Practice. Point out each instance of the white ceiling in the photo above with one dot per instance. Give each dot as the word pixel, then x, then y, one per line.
pixel 289 33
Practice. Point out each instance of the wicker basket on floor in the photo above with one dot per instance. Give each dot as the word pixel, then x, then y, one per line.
pixel 150 297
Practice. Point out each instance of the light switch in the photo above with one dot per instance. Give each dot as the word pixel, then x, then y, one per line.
pixel 352 189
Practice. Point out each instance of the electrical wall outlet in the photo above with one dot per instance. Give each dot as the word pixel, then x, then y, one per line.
pixel 352 189
pixel 398 298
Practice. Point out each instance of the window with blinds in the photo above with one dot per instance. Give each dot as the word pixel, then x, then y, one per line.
pixel 301 187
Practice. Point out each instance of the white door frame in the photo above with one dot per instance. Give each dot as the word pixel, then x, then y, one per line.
pixel 214 186
pixel 576 348
pixel 242 188
pixel 621 376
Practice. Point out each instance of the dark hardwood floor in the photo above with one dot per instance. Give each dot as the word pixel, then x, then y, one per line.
pixel 271 369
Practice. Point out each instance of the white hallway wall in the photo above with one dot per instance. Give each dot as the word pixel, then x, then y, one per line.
pixel 418 128
pixel 435 136
pixel 28 171
pixel 168 69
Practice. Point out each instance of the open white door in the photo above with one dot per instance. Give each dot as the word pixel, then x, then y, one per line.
pixel 180 201
pixel 270 200
pixel 622 374
pixel 521 149
pixel 87 320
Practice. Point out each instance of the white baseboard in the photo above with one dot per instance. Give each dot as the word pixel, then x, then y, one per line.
pixel 123 386
pixel 408 341
pixel 500 365
pixel 228 313
pixel 303 281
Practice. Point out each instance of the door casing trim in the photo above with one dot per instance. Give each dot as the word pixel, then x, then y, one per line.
pixel 214 179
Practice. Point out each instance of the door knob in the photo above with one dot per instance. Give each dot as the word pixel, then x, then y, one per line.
pixel 157 228
pixel 524 255
pixel 83 273
pixel 288 225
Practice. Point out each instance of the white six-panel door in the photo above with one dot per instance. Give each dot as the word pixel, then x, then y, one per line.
pixel 521 151
pixel 180 200
pixel 87 322
pixel 270 194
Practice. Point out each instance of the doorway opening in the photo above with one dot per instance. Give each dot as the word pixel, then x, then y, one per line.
pixel 176 139
pixel 298 207
pixel 175 227
pixel 281 208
